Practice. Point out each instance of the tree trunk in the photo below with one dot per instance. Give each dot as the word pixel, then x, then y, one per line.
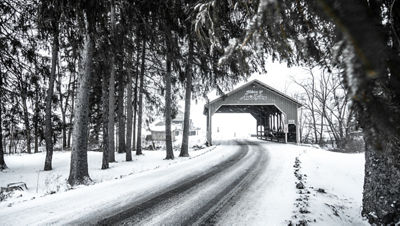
pixel 381 199
pixel 63 108
pixel 135 100
pixel 111 93
pixel 79 173
pixel 377 112
pixel 129 115
pixel 121 117
pixel 140 113
pixel 321 130
pixel 26 122
pixel 72 109
pixel 188 97
pixel 49 98
pixel 168 77
pixel 11 142
pixel 106 151
pixel 3 164
pixel 36 118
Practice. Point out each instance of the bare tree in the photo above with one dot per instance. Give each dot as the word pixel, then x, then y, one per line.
pixel 338 113
pixel 309 103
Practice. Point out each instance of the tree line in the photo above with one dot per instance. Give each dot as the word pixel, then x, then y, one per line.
pixel 83 71
pixel 98 54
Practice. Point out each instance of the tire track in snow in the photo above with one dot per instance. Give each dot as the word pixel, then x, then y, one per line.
pixel 232 193
pixel 169 207
pixel 147 208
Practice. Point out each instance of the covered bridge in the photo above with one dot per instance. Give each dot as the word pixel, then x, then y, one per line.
pixel 275 112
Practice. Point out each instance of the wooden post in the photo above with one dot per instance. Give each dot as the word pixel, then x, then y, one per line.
pixel 285 137
pixel 209 127
pixel 262 127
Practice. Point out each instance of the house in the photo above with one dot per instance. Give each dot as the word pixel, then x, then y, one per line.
pixel 157 129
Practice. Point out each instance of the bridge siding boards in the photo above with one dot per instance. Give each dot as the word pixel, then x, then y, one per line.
pixel 254 93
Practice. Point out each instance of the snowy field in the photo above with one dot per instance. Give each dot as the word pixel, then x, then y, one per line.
pixel 299 184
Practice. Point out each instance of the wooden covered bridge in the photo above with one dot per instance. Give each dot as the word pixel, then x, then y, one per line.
pixel 275 112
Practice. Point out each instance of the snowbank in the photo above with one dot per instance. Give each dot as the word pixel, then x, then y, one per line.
pixel 332 192
pixel 335 181
pixel 28 168
pixel 333 184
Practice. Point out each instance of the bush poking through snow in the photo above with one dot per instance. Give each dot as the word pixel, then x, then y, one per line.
pixel 300 185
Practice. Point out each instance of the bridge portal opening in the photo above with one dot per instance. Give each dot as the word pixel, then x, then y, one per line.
pixel 228 126
pixel 275 113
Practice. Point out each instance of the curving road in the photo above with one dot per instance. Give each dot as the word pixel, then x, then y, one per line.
pixel 202 200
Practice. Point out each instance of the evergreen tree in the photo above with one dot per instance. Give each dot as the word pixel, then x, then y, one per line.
pixel 49 19
pixel 79 173
pixel 111 88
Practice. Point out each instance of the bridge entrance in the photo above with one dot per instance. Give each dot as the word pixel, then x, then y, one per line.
pixel 275 112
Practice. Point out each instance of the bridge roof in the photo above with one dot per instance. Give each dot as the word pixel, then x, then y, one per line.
pixel 247 86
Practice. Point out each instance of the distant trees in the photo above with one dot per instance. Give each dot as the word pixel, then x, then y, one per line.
pixel 327 107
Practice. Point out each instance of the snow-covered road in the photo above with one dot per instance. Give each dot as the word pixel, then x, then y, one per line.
pixel 202 199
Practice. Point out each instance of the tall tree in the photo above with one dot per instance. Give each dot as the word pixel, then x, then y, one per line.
pixel 121 82
pixel 168 78
pixel 50 11
pixel 129 110
pixel 79 173
pixel 140 101
pixel 105 110
pixel 111 89
pixel 37 113
pixel 188 96
pixel 2 162
pixel 23 84
pixel 135 99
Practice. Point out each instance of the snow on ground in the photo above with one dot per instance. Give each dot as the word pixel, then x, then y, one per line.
pixel 331 193
pixel 28 168
pixel 335 181
pixel 92 200
pixel 333 184
pixel 299 185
